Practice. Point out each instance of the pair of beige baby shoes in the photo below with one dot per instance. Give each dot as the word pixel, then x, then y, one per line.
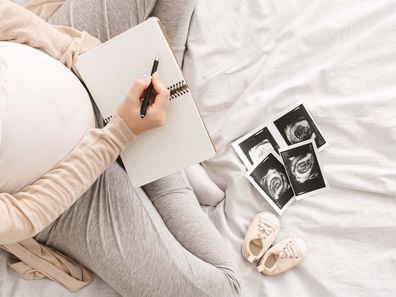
pixel 285 254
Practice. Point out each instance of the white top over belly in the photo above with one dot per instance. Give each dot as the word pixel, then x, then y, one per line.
pixel 44 112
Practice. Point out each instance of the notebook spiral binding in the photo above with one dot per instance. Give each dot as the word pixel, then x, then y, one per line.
pixel 107 120
pixel 176 90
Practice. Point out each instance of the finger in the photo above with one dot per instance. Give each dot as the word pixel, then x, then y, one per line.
pixel 162 99
pixel 160 106
pixel 138 88
pixel 159 86
pixel 153 96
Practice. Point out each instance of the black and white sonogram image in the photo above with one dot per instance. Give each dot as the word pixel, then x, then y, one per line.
pixel 303 168
pixel 297 125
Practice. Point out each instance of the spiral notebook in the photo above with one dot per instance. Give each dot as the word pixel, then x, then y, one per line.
pixel 108 71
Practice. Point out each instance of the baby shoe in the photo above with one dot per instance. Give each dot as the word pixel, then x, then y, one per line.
pixel 286 254
pixel 261 233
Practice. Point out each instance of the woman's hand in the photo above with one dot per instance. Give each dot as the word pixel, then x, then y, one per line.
pixel 129 109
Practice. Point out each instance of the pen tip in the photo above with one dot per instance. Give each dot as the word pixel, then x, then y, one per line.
pixel 157 58
pixel 142 116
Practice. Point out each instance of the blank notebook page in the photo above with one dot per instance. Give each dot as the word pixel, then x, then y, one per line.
pixel 109 71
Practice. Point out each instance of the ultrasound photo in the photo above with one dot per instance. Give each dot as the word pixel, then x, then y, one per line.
pixel 297 125
pixel 269 178
pixel 252 147
pixel 303 169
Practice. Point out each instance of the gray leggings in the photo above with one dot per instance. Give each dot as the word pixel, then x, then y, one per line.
pixel 154 241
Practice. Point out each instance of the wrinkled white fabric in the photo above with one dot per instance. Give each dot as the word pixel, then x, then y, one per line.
pixel 249 59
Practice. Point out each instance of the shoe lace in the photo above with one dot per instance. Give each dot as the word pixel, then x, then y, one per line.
pixel 288 251
pixel 264 229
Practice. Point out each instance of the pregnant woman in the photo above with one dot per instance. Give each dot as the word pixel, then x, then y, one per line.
pixel 150 241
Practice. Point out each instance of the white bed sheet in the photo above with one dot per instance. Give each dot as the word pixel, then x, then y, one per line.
pixel 246 61
pixel 249 59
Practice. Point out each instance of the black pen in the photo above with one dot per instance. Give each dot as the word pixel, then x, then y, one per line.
pixel 145 103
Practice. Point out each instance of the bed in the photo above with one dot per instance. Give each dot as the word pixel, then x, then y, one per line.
pixel 246 61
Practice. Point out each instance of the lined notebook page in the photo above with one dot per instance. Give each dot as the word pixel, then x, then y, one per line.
pixel 180 143
pixel 109 70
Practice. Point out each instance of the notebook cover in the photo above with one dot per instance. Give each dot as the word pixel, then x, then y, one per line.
pixel 183 140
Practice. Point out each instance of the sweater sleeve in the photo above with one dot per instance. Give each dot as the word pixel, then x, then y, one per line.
pixel 19 25
pixel 29 211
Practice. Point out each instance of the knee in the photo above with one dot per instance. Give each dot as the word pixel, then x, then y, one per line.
pixel 227 285
pixel 233 284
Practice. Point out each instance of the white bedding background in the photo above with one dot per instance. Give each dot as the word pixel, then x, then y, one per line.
pixel 250 59
pixel 246 61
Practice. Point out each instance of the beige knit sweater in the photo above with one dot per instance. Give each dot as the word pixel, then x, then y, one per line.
pixel 29 211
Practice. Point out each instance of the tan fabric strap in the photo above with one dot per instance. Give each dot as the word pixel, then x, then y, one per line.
pixel 36 261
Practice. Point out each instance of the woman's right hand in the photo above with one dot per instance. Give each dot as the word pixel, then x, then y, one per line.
pixel 129 109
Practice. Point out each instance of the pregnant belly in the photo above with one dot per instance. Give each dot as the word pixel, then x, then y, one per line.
pixel 44 113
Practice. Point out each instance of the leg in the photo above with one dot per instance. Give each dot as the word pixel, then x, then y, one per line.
pixel 115 231
pixel 175 15
pixel 178 206
pixel 105 19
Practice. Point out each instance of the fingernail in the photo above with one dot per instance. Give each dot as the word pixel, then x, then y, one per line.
pixel 155 73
